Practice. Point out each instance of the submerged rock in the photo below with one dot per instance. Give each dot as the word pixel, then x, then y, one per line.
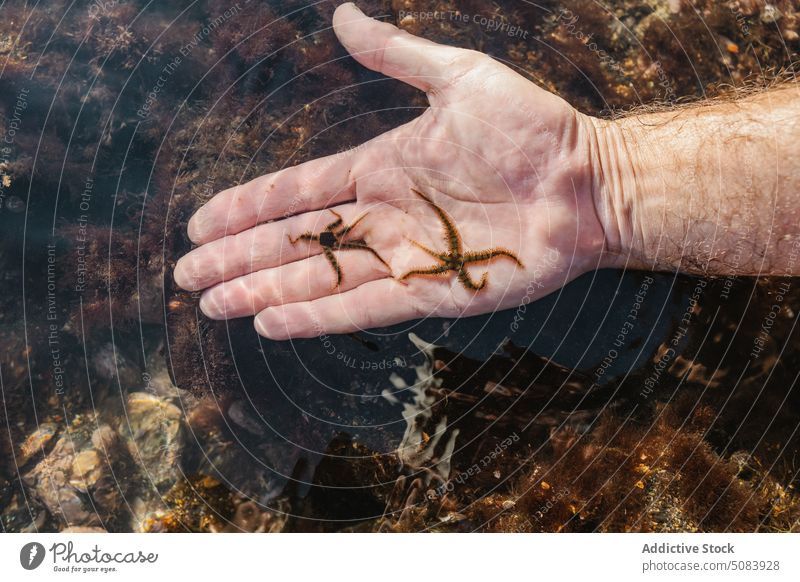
pixel 86 470
pixel 153 429
pixel 36 442
pixel 76 481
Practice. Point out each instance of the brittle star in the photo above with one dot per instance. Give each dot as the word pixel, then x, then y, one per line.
pixel 332 238
pixel 455 259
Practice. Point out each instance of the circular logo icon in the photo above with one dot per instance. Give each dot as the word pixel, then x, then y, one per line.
pixel 31 555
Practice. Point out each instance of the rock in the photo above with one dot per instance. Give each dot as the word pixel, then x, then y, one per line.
pixel 75 481
pixel 36 442
pixel 105 438
pixel 154 432
pixel 49 483
pixel 242 417
pixel 86 470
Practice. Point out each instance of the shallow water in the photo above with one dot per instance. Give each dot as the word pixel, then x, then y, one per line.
pixel 127 410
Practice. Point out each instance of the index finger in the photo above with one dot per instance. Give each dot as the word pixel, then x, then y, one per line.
pixel 309 186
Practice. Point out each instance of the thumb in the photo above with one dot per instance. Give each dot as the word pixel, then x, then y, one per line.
pixel 385 48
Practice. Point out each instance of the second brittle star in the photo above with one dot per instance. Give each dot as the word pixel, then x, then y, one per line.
pixel 332 239
pixel 455 259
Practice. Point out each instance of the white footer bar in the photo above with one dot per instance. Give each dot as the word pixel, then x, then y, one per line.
pixel 390 557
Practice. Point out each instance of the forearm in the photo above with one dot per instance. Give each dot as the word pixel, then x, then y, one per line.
pixel 710 189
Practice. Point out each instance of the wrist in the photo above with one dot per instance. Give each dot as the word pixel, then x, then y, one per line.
pixel 614 192
pixel 642 165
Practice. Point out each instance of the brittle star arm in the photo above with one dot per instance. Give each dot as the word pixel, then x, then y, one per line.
pixel 482 256
pixel 431 252
pixel 453 238
pixel 335 264
pixel 346 230
pixel 467 281
pixel 305 236
pixel 339 220
pixel 355 245
pixel 438 270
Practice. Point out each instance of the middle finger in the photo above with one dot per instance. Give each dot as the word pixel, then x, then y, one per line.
pixel 305 280
pixel 261 247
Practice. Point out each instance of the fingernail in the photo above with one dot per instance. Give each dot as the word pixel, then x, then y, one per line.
pixel 198 225
pixel 211 307
pixel 187 274
pixel 259 325
pixel 353 4
pixel 177 276
pixel 269 331
pixel 193 228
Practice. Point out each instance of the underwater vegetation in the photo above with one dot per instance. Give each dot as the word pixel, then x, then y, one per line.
pixel 123 409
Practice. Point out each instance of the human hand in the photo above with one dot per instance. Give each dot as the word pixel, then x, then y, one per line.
pixel 510 165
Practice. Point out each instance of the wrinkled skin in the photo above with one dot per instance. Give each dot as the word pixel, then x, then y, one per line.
pixel 511 164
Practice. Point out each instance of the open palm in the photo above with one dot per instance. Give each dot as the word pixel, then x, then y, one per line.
pixel 483 202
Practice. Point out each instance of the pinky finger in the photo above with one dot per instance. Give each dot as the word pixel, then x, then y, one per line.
pixel 373 304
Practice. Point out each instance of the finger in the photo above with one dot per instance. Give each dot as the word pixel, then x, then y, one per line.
pixel 373 304
pixel 258 248
pixel 385 48
pixel 308 186
pixel 300 281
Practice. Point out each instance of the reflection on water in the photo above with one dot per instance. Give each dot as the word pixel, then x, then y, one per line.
pixel 625 401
